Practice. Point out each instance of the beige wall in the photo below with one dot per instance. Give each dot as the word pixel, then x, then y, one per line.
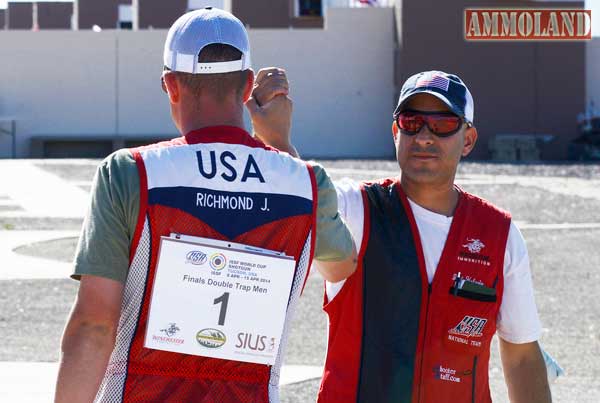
pixel 107 83
pixel 59 83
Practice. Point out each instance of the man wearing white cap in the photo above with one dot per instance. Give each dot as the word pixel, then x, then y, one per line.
pixel 195 250
pixel 440 271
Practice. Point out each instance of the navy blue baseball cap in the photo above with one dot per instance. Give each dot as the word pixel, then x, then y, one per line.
pixel 449 88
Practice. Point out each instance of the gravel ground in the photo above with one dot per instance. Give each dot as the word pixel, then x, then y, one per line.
pixel 32 317
pixel 84 170
pixel 61 250
pixel 41 223
pixel 564 264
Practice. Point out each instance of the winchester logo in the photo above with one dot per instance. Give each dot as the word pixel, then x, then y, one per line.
pixel 473 254
pixel 528 24
pixel 474 245
pixel 171 330
pixel 469 326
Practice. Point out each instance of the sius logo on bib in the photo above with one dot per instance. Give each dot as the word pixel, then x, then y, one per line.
pixel 255 342
pixel 211 338
pixel 196 257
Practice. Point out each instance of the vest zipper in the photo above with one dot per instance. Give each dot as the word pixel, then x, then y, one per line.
pixel 474 376
pixel 424 339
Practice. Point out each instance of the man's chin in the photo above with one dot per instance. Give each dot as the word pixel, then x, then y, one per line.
pixel 422 175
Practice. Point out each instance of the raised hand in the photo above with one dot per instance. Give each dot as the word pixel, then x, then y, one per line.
pixel 271 109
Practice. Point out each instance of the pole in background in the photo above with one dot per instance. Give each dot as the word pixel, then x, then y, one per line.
pixel 75 16
pixel 34 17
pixel 135 17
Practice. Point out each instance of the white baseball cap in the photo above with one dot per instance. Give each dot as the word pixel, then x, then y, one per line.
pixel 199 28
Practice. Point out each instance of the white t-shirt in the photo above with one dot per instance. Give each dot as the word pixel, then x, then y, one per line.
pixel 517 321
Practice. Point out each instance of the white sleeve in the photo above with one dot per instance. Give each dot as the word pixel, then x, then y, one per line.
pixel 350 207
pixel 518 320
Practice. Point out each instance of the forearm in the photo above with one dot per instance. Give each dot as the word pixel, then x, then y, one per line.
pixel 86 349
pixel 526 378
pixel 334 271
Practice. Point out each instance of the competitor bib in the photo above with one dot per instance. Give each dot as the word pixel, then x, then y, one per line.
pixel 219 299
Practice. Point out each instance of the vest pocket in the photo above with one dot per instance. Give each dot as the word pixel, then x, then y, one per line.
pixel 469 323
pixel 474 295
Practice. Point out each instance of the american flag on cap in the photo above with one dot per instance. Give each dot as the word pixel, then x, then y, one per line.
pixel 433 80
pixel 449 88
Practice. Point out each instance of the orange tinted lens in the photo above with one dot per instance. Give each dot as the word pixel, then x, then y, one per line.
pixel 410 123
pixel 442 124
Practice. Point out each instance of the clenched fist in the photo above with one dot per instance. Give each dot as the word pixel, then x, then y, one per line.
pixel 271 109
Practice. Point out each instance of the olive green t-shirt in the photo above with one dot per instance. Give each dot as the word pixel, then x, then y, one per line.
pixel 110 222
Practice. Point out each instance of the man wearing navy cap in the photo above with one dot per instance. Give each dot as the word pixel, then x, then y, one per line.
pixel 440 272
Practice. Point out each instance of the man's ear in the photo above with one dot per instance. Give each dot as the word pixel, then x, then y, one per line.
pixel 470 140
pixel 249 86
pixel 394 130
pixel 172 87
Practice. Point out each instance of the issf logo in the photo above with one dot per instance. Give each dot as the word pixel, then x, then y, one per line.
pixel 196 257
pixel 218 261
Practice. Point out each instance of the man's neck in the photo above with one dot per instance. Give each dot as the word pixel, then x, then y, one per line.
pixel 441 199
pixel 198 118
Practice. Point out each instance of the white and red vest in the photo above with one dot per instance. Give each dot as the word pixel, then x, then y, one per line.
pixel 393 337
pixel 222 165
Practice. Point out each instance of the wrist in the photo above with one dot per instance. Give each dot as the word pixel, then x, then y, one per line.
pixel 279 144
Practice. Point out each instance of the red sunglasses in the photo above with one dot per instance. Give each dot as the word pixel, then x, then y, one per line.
pixel 442 124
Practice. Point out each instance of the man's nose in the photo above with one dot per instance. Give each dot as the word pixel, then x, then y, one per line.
pixel 424 136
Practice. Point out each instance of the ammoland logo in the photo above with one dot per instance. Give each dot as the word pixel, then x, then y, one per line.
pixel 211 338
pixel 502 24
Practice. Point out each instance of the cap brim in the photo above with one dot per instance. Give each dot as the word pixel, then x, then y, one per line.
pixel 439 96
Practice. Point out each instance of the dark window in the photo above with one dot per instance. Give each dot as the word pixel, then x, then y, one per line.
pixel 309 8
pixel 125 25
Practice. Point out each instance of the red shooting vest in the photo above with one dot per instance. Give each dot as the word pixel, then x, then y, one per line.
pixel 211 183
pixel 393 337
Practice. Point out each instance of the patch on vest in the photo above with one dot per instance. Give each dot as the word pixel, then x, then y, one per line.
pixel 469 326
pixel 473 254
pixel 445 374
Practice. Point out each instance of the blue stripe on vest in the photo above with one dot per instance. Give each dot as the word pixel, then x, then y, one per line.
pixel 231 213
pixel 392 290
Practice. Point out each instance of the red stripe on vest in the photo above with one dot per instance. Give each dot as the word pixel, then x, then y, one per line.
pixel 143 203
